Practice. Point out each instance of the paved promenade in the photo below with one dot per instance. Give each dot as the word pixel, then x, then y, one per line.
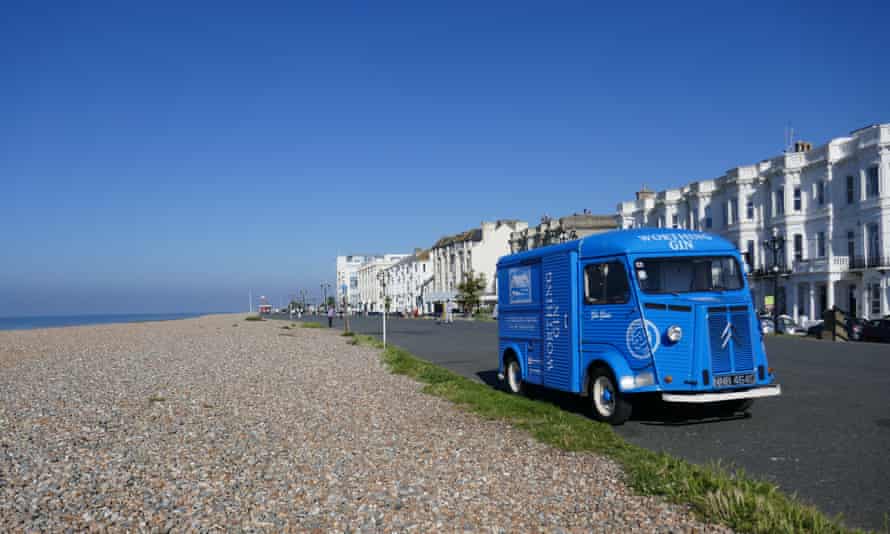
pixel 219 423
pixel 826 438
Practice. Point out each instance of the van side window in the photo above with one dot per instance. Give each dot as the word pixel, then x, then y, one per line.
pixel 606 283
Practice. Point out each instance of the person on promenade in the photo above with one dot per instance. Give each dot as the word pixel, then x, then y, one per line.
pixel 331 317
pixel 449 312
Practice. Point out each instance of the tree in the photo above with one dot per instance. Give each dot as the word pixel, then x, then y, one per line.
pixel 331 302
pixel 470 290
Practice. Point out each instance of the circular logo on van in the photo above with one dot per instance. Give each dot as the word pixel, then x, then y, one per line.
pixel 636 336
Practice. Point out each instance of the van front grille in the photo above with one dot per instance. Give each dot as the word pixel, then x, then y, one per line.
pixel 729 333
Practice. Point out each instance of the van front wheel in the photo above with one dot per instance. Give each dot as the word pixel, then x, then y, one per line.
pixel 606 402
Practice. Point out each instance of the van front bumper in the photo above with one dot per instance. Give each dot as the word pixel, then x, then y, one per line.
pixel 755 393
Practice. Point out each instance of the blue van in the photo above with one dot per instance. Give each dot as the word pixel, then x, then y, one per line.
pixel 633 311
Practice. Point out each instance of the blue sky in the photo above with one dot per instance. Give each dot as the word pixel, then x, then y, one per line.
pixel 168 157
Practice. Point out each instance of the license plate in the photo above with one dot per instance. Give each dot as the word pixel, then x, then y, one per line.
pixel 734 380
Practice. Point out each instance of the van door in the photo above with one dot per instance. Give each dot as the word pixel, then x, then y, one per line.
pixel 609 312
pixel 560 343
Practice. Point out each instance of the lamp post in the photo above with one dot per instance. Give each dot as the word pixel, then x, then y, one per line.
pixel 775 244
pixel 345 315
pixel 382 276
pixel 324 294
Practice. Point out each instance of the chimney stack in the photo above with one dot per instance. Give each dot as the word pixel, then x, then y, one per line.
pixel 645 193
pixel 802 146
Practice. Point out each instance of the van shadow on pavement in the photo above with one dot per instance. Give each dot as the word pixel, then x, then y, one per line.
pixel 648 409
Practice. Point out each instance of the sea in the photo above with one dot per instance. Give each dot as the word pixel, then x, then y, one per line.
pixel 55 321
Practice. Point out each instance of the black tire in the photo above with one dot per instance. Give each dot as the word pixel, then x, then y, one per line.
pixel 513 377
pixel 607 403
pixel 736 406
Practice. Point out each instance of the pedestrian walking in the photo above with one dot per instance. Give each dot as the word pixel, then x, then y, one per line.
pixel 331 317
pixel 449 312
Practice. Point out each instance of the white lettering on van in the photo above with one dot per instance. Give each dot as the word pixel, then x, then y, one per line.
pixel 677 241
pixel 551 320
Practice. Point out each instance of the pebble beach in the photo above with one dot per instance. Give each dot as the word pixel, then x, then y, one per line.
pixel 217 423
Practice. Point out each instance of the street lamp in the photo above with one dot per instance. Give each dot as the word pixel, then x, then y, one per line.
pixel 324 294
pixel 775 244
pixel 383 277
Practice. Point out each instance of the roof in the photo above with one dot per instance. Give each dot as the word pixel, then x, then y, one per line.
pixel 470 235
pixel 420 256
pixel 635 241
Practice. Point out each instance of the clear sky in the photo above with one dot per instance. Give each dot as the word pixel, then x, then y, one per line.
pixel 170 156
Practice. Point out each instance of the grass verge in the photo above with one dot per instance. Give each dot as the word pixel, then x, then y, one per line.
pixel 310 324
pixel 253 318
pixel 714 493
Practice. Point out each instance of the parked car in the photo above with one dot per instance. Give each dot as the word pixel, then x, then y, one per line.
pixel 785 323
pixel 876 330
pixel 854 328
pixel 815 328
pixel 789 327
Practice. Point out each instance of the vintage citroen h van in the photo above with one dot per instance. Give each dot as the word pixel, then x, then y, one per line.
pixel 633 311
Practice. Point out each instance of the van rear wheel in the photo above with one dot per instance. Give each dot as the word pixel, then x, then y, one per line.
pixel 513 377
pixel 606 401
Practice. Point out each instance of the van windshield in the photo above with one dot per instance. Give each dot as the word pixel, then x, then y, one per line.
pixel 688 274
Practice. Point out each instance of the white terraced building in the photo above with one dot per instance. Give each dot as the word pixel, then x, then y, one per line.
pixel 475 252
pixel 370 288
pixel 347 278
pixel 831 205
pixel 408 282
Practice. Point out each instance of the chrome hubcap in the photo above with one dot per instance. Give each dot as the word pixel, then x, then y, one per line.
pixel 604 396
pixel 513 376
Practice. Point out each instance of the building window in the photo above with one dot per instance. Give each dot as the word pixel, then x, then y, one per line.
pixel 749 208
pixel 780 201
pixel 726 216
pixel 851 245
pixel 675 220
pixel 797 199
pixel 874 244
pixel 872 182
pixel 749 255
pixel 851 190
pixel 875 300
pixel 820 193
pixel 709 221
pixel 820 244
pixel 798 247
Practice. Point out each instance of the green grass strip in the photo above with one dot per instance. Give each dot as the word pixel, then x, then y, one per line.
pixel 715 493
pixel 312 325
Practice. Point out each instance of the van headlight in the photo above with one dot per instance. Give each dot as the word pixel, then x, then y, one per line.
pixel 640 380
pixel 674 334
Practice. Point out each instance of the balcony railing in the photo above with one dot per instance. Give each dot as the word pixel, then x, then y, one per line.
pixel 763 272
pixel 870 262
pixel 811 265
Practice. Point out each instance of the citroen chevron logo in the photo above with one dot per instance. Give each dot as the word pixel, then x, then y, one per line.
pixel 727 334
